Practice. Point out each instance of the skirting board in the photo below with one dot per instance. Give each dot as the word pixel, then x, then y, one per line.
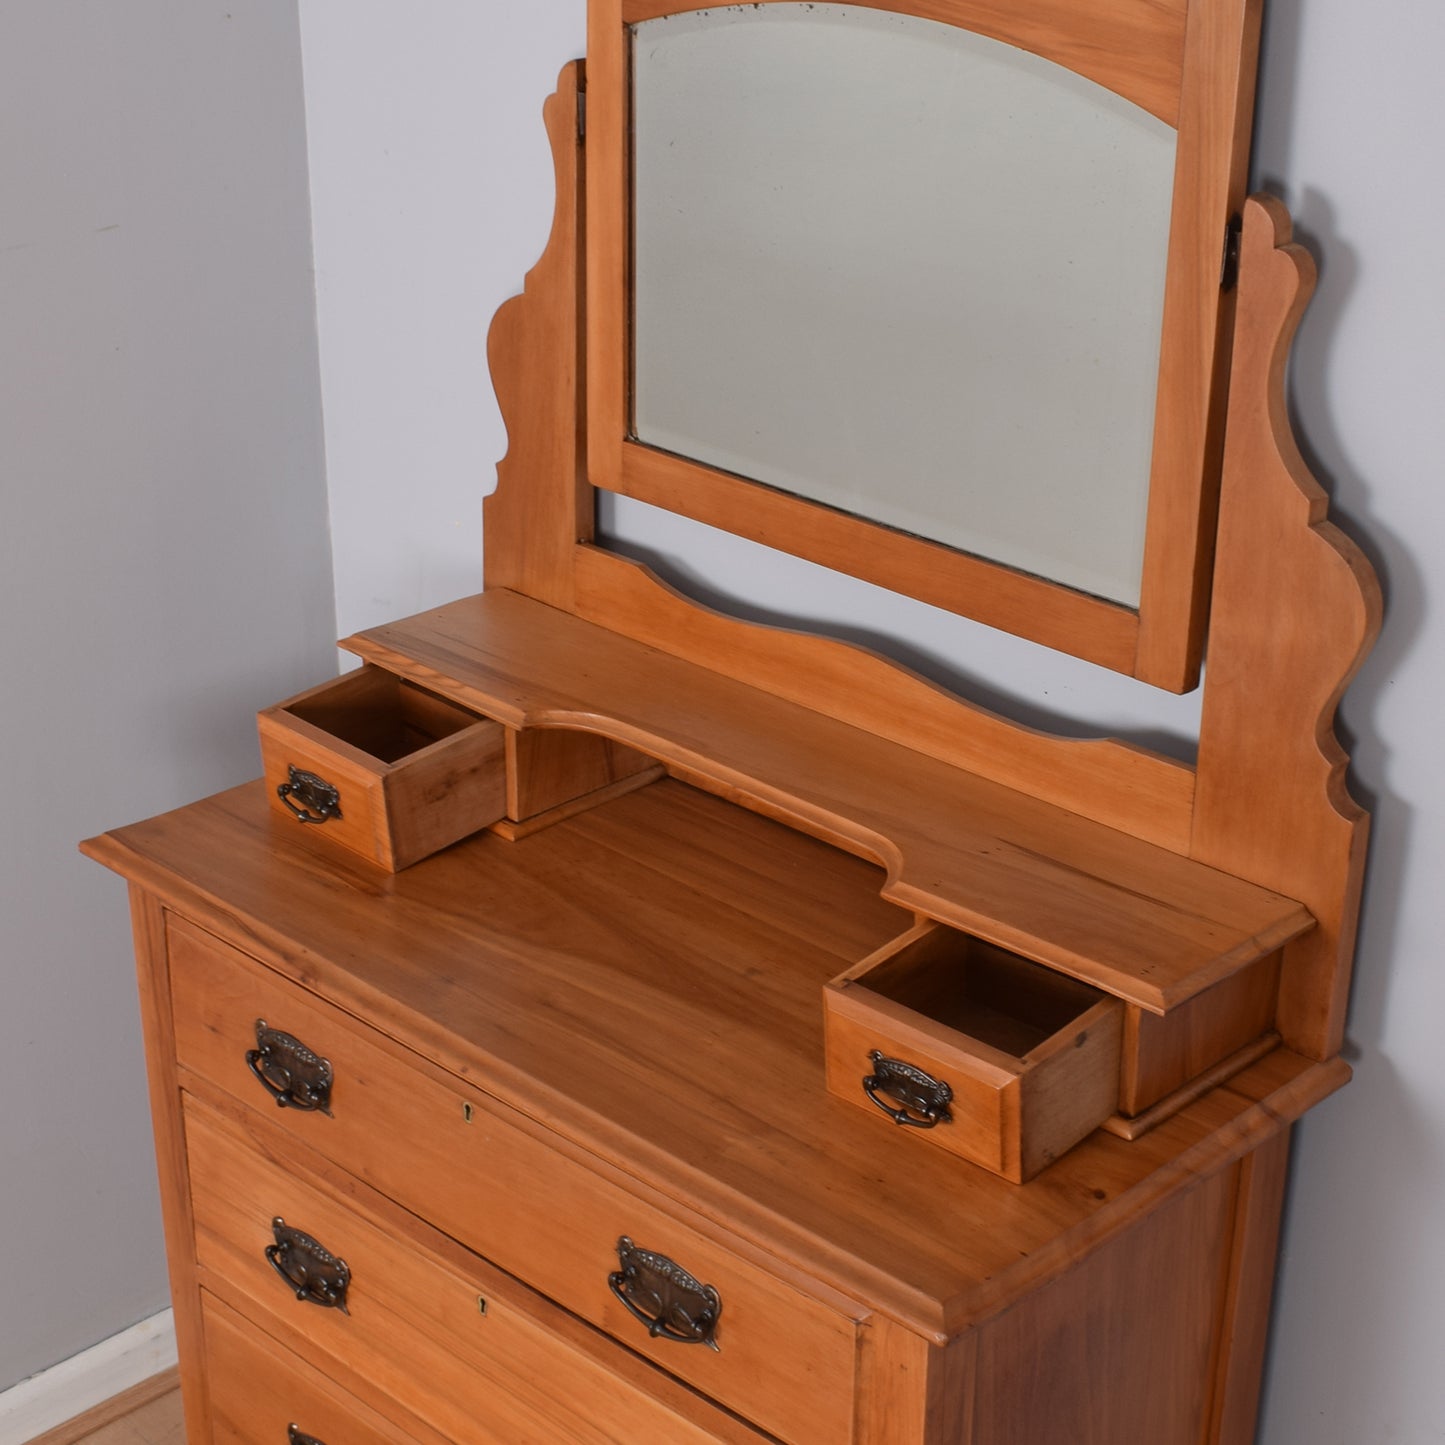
pixel 88 1379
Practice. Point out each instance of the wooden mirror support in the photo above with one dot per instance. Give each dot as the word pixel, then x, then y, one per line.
pixel 1189 62
pixel 803 1054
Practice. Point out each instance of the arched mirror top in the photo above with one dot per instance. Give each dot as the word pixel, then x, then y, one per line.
pixel 932 292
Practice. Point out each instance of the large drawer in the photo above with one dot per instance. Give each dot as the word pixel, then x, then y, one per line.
pixel 451 1340
pixel 544 1211
pixel 263 1393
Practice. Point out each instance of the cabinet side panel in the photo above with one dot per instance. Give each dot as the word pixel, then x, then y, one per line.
pixel 1118 1348
pixel 153 972
pixel 1245 1331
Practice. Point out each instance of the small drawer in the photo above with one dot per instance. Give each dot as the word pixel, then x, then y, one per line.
pixel 414 1320
pixel 539 1207
pixel 264 1393
pixel 387 769
pixel 981 1052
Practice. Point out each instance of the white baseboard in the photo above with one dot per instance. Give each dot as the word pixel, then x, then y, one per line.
pixel 88 1379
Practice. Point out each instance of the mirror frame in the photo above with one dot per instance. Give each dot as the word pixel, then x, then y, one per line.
pixel 1189 62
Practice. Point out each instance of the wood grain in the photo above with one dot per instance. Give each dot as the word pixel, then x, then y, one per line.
pixel 670 915
pixel 413 772
pixel 1215 114
pixel 989 592
pixel 414 1334
pixel 1118 784
pixel 456 1157
pixel 542 506
pixel 158 1028
pixel 1134 47
pixel 1192 65
pixel 1296 607
pixel 1136 921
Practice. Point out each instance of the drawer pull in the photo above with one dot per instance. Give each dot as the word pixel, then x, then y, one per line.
pixel 665 1297
pixel 311 799
pixel 293 1076
pixel 923 1100
pixel 316 1274
pixel 297 1436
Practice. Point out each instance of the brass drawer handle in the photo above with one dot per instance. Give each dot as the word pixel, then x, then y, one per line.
pixel 311 799
pixel 297 1436
pixel 294 1076
pixel 665 1297
pixel 923 1100
pixel 316 1274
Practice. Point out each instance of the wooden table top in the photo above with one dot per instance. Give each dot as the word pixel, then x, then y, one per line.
pixel 646 979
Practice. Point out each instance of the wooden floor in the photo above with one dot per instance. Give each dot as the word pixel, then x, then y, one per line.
pixel 140 1417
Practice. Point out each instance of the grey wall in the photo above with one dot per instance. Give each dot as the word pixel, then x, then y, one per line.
pixel 164 563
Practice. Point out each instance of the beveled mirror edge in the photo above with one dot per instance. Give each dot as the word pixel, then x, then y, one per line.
pixel 1161 644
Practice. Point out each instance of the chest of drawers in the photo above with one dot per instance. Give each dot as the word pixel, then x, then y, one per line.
pixel 611 1034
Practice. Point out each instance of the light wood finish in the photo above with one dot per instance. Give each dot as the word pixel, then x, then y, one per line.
pixel 542 506
pixel 158 1028
pixel 1135 49
pixel 1296 608
pixel 1031 1058
pixel 1239 1366
pixel 146 1414
pixel 614 1024
pixel 670 916
pixel 1136 1126
pixel 1162 1054
pixel 1045 612
pixel 1216 104
pixel 1120 785
pixel 1137 921
pixel 547 770
pixel 414 1332
pixel 1148 1384
pixel 262 1386
pixel 413 772
pixel 455 1156
pixel 1192 66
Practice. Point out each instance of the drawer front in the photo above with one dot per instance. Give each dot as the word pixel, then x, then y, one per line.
pixel 410 773
pixel 260 1389
pixel 508 1190
pixel 451 1340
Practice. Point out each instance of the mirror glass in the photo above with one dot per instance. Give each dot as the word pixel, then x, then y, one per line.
pixel 904 271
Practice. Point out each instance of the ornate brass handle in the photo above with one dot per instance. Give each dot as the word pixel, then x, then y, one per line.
pixel 316 1274
pixel 311 799
pixel 294 1076
pixel 665 1297
pixel 923 1100
pixel 297 1436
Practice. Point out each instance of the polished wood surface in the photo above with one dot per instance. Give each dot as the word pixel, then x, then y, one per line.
pixel 414 1333
pixel 1141 922
pixel 1030 1057
pixel 1135 49
pixel 413 773
pixel 1120 785
pixel 604 1016
pixel 1296 608
pixel 542 506
pixel 1193 65
pixel 669 915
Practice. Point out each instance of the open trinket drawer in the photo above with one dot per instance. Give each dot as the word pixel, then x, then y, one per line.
pixel 999 1060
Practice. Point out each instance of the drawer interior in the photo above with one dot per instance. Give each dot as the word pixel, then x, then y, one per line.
pixel 381 714
pixel 996 997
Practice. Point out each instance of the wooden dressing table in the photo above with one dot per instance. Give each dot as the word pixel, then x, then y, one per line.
pixel 551 1136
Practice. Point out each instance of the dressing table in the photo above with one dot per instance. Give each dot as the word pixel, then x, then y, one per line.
pixel 612 1020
